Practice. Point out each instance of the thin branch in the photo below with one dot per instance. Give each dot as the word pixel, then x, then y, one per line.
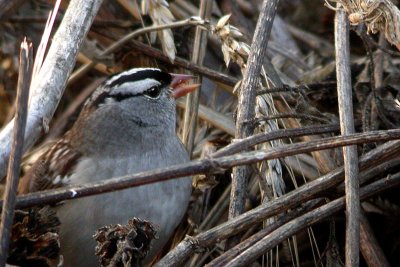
pixel 208 166
pixel 7 215
pixel 370 248
pixel 273 239
pixel 350 157
pixel 47 91
pixel 292 199
pixel 256 139
pixel 229 255
pixel 302 88
pixel 296 115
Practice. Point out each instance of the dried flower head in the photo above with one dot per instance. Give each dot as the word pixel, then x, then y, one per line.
pixel 378 15
pixel 232 49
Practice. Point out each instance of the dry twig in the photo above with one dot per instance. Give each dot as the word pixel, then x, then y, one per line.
pixel 187 247
pixel 7 215
pixel 211 165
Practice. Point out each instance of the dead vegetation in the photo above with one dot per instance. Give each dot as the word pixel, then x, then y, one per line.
pixel 272 181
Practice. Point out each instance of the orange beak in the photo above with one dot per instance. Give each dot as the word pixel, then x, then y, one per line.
pixel 180 87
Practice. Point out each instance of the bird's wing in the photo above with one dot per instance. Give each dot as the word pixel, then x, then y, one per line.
pixel 51 170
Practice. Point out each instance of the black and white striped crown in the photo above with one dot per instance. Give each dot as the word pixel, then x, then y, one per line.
pixel 136 80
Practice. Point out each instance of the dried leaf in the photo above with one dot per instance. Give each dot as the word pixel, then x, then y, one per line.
pixel 226 53
pixel 235 32
pixel 34 239
pixel 160 14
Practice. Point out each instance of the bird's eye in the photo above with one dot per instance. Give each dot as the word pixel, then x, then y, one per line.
pixel 153 92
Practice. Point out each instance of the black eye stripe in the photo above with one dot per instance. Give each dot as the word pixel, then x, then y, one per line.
pixel 121 96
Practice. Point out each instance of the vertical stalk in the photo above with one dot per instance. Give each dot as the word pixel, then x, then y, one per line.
pixel 192 101
pixel 246 101
pixel 343 74
pixel 7 214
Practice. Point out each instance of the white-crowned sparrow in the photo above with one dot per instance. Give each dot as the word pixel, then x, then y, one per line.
pixel 126 126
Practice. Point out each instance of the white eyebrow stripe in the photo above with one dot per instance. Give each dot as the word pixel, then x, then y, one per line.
pixel 136 87
pixel 128 72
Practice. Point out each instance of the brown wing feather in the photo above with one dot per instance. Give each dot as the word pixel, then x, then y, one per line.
pixel 51 169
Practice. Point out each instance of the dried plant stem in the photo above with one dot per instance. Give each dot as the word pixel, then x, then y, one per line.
pixel 350 156
pixel 229 255
pixel 7 215
pixel 213 165
pixel 192 100
pixel 369 246
pixel 292 115
pixel 188 246
pixel 273 239
pixel 247 99
pixel 379 56
pixel 248 142
pixel 217 211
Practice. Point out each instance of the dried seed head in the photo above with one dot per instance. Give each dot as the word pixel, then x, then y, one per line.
pixel 159 12
pixel 378 15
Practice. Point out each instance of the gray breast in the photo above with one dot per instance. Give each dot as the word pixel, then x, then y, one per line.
pixel 164 203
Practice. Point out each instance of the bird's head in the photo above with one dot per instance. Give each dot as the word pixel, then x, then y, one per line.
pixel 144 95
pixel 137 99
